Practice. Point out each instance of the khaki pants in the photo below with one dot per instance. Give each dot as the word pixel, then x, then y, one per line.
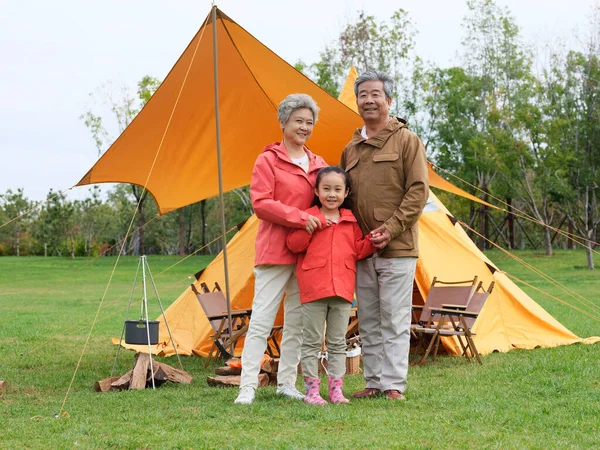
pixel 271 281
pixel 335 311
pixel 384 295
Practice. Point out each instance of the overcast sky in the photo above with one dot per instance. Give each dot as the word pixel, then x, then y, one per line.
pixel 53 54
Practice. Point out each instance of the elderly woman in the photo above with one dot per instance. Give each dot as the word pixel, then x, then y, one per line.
pixel 282 187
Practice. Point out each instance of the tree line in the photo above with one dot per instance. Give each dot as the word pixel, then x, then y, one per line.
pixel 99 226
pixel 510 123
pixel 514 125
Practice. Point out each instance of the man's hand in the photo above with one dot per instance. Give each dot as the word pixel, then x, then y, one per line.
pixel 312 224
pixel 380 237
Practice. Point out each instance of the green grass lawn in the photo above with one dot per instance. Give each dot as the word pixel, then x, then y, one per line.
pixel 544 398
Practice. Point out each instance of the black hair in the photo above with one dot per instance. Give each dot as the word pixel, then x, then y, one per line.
pixel 347 203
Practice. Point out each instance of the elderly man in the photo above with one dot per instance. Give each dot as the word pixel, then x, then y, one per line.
pixel 389 187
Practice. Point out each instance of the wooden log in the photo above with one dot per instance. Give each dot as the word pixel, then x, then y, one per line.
pixel 160 374
pixel 140 376
pixel 140 371
pixel 176 375
pixel 105 385
pixel 271 365
pixel 234 380
pixel 224 380
pixel 122 383
pixel 272 379
pixel 263 380
pixel 226 370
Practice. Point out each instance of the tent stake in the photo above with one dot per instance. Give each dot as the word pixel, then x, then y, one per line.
pixel 220 170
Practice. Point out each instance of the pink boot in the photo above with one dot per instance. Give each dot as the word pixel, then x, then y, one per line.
pixel 335 391
pixel 312 392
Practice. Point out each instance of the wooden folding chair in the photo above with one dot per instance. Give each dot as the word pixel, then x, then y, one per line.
pixel 214 305
pixel 454 294
pixel 456 320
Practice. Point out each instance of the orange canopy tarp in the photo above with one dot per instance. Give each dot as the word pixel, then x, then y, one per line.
pixel 179 120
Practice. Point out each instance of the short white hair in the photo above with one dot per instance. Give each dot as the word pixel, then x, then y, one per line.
pixel 296 101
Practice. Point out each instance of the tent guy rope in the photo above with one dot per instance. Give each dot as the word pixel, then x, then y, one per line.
pixel 556 283
pixel 586 313
pixel 523 215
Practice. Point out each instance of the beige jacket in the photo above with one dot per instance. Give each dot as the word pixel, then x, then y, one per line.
pixel 389 184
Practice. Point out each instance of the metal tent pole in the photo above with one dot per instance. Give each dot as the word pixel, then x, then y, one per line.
pixel 164 316
pixel 220 171
pixel 145 306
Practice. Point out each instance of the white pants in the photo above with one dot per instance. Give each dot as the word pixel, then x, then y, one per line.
pixel 271 281
pixel 384 295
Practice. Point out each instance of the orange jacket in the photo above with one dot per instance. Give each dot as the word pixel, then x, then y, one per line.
pixel 280 192
pixel 328 268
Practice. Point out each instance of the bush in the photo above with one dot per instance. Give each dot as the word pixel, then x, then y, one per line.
pixel 80 249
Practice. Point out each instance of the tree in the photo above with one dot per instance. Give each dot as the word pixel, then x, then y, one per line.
pixel 368 45
pixel 124 106
pixel 56 227
pixel 475 110
pixel 14 204
pixel 583 82
pixel 120 201
pixel 538 169
pixel 94 218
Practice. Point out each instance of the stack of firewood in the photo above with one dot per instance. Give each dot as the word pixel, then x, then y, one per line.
pixel 140 377
pixel 229 376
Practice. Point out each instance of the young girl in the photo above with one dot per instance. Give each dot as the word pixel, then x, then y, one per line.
pixel 326 279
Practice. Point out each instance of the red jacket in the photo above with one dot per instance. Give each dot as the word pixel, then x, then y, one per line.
pixel 328 268
pixel 280 192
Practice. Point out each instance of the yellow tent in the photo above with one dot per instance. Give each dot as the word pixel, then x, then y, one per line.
pixel 510 318
pixel 169 147
pixel 347 96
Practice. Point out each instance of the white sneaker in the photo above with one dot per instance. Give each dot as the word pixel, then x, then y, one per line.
pixel 290 392
pixel 246 396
